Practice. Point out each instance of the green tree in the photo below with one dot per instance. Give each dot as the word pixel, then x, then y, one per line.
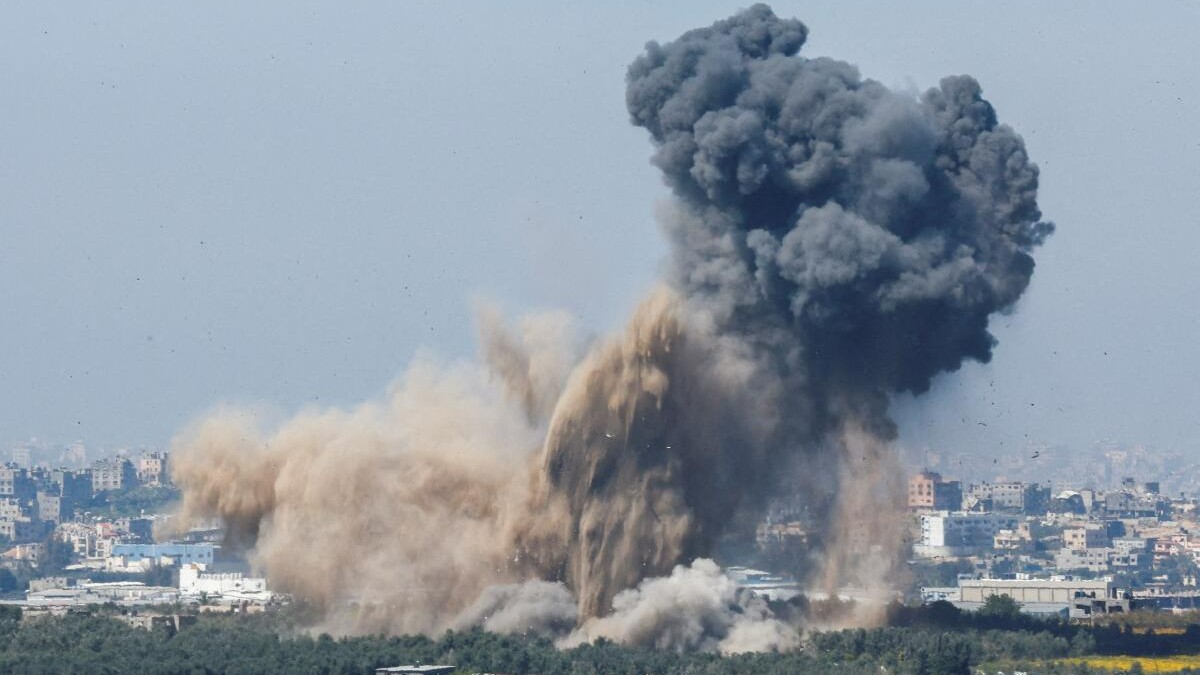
pixel 1001 607
pixel 57 555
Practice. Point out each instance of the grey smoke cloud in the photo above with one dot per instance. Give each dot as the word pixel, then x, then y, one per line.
pixel 695 607
pixel 832 243
pixel 877 229
pixel 533 607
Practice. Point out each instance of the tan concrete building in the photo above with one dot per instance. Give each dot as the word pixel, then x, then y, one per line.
pixel 1083 538
pixel 927 490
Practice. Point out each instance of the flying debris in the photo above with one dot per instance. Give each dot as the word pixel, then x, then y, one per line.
pixel 832 243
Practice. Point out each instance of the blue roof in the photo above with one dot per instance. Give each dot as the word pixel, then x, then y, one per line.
pixel 185 552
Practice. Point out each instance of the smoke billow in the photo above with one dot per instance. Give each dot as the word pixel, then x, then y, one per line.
pixel 833 242
pixel 533 607
pixel 694 607
pixel 388 517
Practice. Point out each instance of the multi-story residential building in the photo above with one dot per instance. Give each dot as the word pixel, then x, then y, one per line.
pixel 105 546
pixel 959 530
pixel 1091 535
pixel 1016 497
pixel 1135 504
pixel 113 474
pixel 21 529
pixel 51 507
pixel 1170 545
pixel 15 482
pixel 80 536
pixel 927 490
pixel 1013 541
pixel 152 469
pixel 137 528
pixel 1124 561
pixel 1098 560
pixel 75 486
pixel 10 508
pixel 1093 560
pixel 1131 545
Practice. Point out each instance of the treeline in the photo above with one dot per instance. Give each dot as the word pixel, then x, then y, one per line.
pixel 1006 632
pixel 103 645
pixel 934 641
pixel 135 501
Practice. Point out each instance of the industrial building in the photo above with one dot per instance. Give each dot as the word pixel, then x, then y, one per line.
pixel 1076 598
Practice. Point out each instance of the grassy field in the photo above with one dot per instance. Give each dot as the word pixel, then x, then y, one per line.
pixel 1150 664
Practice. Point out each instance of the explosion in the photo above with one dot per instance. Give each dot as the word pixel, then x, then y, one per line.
pixel 833 242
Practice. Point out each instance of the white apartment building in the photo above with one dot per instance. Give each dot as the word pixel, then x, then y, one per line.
pixel 945 531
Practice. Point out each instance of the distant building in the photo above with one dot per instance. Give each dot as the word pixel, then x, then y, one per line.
pixel 75 486
pixel 180 554
pixel 1089 536
pixel 15 482
pixel 1131 545
pixel 85 592
pixel 1028 498
pixel 1068 502
pixel 51 507
pixel 195 581
pixel 927 490
pixel 152 469
pixel 10 508
pixel 1014 541
pixel 1080 597
pixel 952 533
pixel 939 594
pixel 20 530
pixel 1089 499
pixel 1093 560
pixel 113 474
pixel 415 670
pixel 31 552
pixel 80 536
pixel 22 457
pixel 141 528
pixel 1134 504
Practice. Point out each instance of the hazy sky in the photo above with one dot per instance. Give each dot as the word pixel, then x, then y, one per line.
pixel 282 202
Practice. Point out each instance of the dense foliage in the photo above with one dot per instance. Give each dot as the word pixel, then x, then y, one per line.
pixel 135 501
pixel 935 640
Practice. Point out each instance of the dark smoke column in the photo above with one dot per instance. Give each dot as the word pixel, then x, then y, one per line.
pixel 877 230
pixel 833 242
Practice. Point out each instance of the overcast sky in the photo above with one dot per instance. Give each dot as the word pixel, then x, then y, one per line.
pixel 281 202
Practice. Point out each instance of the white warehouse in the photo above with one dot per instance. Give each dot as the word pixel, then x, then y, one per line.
pixel 232 586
